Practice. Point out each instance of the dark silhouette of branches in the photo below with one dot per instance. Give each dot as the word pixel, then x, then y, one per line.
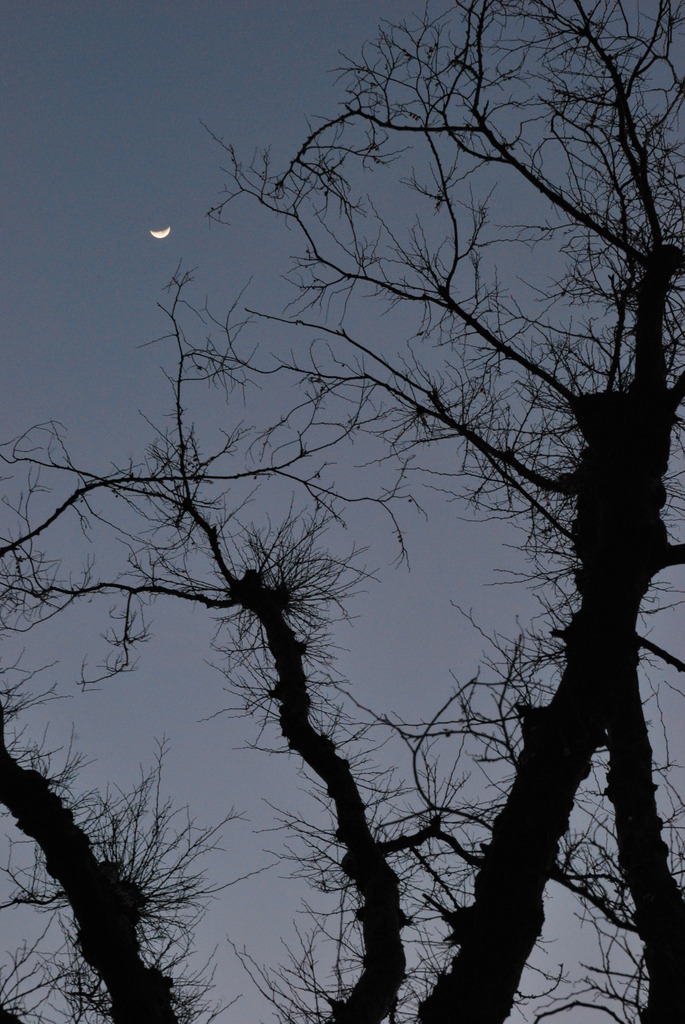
pixel 502 180
pixel 119 876
pixel 559 394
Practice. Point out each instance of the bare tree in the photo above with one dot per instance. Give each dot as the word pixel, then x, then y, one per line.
pixel 537 280
pixel 557 395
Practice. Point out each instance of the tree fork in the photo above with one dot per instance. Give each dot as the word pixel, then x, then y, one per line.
pixel 620 541
pixel 507 915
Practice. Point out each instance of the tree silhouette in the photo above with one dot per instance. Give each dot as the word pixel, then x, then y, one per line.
pixel 563 388
pixel 504 177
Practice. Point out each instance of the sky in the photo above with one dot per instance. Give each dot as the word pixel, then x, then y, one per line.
pixel 102 141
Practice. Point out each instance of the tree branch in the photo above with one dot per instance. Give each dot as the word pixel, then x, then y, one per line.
pixel 139 994
pixel 373 995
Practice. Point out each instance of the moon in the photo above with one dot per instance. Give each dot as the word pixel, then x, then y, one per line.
pixel 161 234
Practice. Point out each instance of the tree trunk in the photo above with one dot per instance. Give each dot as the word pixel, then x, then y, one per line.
pixel 620 540
pixel 659 907
pixel 139 994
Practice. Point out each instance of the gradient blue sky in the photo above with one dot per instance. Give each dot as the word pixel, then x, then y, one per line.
pixel 101 141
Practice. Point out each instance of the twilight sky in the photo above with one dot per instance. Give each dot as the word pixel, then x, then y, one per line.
pixel 101 142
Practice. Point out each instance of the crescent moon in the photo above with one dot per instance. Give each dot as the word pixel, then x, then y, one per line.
pixel 161 234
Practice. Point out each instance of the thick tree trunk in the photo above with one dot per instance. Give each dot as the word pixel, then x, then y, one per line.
pixel 620 541
pixel 502 925
pixel 659 907
pixel 139 994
